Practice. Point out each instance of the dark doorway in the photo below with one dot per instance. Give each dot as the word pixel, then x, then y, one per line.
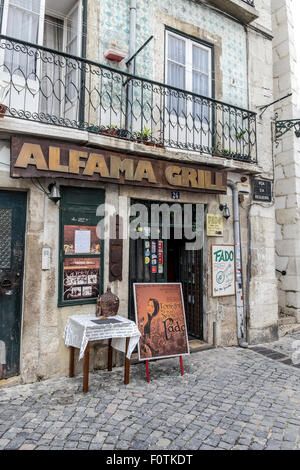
pixel 178 265
pixel 185 266
pixel 12 236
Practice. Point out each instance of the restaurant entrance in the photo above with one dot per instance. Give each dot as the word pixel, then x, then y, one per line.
pixel 168 260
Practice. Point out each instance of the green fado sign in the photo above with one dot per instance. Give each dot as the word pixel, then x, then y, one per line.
pixel 223 270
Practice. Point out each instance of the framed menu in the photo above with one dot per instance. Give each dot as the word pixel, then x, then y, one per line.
pixel 81 278
pixel 81 239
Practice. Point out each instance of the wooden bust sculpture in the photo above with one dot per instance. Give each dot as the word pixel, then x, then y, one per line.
pixel 107 305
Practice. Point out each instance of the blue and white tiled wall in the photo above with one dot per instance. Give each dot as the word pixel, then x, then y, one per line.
pixel 114 25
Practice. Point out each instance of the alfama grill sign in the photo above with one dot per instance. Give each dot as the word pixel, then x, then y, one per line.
pixel 43 158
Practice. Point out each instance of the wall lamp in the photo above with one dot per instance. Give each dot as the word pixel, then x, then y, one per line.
pixel 53 194
pixel 225 209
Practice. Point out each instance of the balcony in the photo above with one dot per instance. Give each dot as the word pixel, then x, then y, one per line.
pixel 243 10
pixel 49 87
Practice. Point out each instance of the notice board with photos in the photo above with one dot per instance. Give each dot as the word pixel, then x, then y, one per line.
pixel 160 316
pixel 222 270
pixel 81 249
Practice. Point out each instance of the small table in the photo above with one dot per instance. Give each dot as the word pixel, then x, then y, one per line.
pixel 121 333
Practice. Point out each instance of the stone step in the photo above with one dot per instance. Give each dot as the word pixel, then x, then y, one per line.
pixel 286 329
pixel 286 320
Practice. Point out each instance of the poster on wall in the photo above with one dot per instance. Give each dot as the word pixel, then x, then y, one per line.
pixel 81 278
pixel 81 239
pixel 222 270
pixel 214 225
pixel 160 316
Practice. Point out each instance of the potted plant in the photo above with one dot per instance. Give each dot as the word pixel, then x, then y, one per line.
pixel 3 95
pixel 144 136
pixel 110 130
pixel 95 129
pixel 240 134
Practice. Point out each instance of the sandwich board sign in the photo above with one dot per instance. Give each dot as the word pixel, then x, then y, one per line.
pixel 160 317
pixel 222 270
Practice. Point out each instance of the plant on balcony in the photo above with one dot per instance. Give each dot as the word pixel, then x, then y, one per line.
pixel 110 130
pixel 3 95
pixel 115 131
pixel 144 136
pixel 240 134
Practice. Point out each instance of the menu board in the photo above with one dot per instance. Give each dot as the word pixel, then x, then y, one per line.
pixel 81 278
pixel 160 317
pixel 223 270
pixel 81 239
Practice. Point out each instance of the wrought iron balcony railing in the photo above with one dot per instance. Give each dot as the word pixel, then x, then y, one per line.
pixel 250 2
pixel 43 85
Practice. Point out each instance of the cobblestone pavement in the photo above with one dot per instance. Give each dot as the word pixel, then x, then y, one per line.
pixel 287 345
pixel 229 398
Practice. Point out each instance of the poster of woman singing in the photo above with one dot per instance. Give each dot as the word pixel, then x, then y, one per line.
pixel 160 317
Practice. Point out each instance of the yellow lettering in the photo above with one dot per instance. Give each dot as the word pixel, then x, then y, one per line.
pixel 144 170
pixel 74 161
pixel 173 175
pixel 218 181
pixel 54 160
pixel 189 177
pixel 96 164
pixel 201 179
pixel 31 154
pixel 117 165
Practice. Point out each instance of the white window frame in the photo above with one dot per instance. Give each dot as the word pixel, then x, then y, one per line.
pixel 41 15
pixel 5 77
pixel 189 43
pixel 78 5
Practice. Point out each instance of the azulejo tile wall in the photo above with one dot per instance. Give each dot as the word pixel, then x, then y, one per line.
pixel 114 25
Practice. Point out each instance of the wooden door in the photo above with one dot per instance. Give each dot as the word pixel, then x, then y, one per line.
pixel 12 237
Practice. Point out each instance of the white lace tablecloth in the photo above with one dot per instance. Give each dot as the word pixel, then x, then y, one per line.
pixel 80 329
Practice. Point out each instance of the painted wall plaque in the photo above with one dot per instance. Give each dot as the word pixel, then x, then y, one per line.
pixel 223 270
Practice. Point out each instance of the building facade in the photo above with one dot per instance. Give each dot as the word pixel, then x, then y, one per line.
pixel 286 153
pixel 124 103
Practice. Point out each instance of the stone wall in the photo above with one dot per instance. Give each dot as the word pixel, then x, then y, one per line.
pixel 242 53
pixel 287 162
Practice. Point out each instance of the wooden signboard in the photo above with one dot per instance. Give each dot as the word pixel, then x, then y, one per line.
pixel 33 158
pixel 160 316
pixel 222 270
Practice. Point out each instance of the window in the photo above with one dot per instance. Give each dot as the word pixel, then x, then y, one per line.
pixel 81 251
pixel 42 82
pixel 22 20
pixel 188 67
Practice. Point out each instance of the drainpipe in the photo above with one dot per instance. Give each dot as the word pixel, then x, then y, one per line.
pixel 239 294
pixel 132 49
pixel 83 72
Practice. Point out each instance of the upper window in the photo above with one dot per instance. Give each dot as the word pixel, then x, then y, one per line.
pixel 188 67
pixel 22 19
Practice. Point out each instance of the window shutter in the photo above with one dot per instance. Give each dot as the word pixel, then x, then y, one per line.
pixel 116 250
